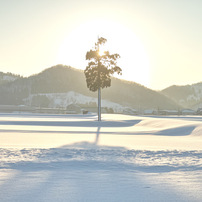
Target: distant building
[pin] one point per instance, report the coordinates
(94, 109)
(188, 112)
(15, 108)
(150, 112)
(130, 111)
(73, 109)
(168, 112)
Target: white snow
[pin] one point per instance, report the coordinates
(71, 97)
(9, 78)
(123, 158)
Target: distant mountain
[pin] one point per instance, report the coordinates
(61, 79)
(188, 96)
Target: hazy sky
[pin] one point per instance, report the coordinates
(160, 41)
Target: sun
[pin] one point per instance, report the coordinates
(121, 39)
(102, 50)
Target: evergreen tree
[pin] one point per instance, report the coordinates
(100, 69)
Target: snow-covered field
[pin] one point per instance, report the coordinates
(122, 158)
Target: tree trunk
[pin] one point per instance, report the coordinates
(99, 104)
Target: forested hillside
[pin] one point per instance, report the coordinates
(63, 79)
(189, 96)
(8, 77)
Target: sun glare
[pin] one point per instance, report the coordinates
(102, 50)
(120, 39)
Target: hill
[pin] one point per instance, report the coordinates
(189, 96)
(64, 79)
(8, 77)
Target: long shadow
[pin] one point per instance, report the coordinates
(126, 123)
(40, 115)
(177, 131)
(97, 136)
(66, 123)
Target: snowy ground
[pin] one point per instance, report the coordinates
(123, 158)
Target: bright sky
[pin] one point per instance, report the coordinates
(160, 41)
